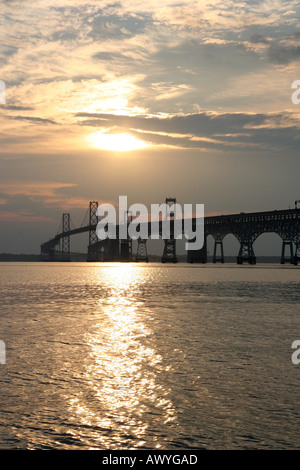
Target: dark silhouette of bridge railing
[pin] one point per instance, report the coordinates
(246, 227)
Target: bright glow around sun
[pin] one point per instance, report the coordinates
(123, 142)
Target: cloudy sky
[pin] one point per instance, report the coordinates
(147, 99)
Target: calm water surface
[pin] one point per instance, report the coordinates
(136, 356)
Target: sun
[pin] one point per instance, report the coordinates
(122, 142)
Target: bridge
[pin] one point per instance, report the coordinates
(246, 227)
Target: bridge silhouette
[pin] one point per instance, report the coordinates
(246, 227)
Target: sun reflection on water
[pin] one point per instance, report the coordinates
(125, 397)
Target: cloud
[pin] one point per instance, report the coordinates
(73, 54)
(116, 26)
(206, 130)
(18, 108)
(259, 39)
(283, 54)
(32, 188)
(36, 120)
(50, 194)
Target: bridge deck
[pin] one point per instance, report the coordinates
(210, 222)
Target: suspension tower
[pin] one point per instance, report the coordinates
(65, 241)
(94, 249)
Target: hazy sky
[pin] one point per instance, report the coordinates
(197, 95)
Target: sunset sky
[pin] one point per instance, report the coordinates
(147, 99)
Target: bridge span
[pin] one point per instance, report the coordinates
(246, 227)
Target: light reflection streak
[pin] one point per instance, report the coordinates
(125, 397)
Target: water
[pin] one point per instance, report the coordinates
(128, 356)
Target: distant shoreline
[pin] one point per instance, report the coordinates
(81, 257)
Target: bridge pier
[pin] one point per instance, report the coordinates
(198, 256)
(126, 245)
(94, 252)
(246, 252)
(141, 252)
(218, 243)
(169, 253)
(296, 257)
(287, 244)
(126, 250)
(104, 250)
